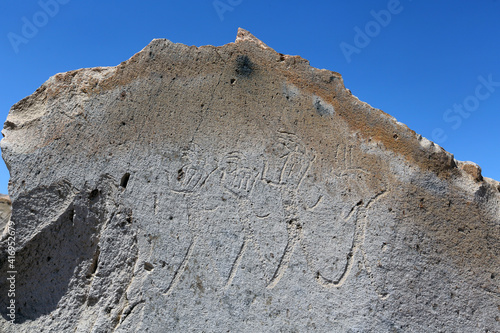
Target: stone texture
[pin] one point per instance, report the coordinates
(5, 209)
(234, 188)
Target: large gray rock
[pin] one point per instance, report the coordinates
(234, 188)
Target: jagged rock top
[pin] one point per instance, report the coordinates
(372, 124)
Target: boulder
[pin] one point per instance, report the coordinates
(237, 189)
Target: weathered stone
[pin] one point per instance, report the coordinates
(472, 169)
(5, 209)
(237, 189)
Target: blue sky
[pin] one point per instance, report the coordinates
(434, 65)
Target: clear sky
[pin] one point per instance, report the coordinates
(434, 65)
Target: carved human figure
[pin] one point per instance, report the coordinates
(193, 172)
(187, 177)
(341, 218)
(287, 168)
(238, 177)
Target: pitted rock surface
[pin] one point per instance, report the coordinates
(234, 188)
(5, 210)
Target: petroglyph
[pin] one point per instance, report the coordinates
(286, 168)
(296, 161)
(237, 175)
(181, 269)
(237, 261)
(194, 171)
(239, 178)
(289, 163)
(359, 215)
(315, 204)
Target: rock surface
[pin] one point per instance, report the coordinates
(234, 188)
(5, 209)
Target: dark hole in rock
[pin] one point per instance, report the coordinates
(93, 194)
(125, 179)
(243, 65)
(9, 125)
